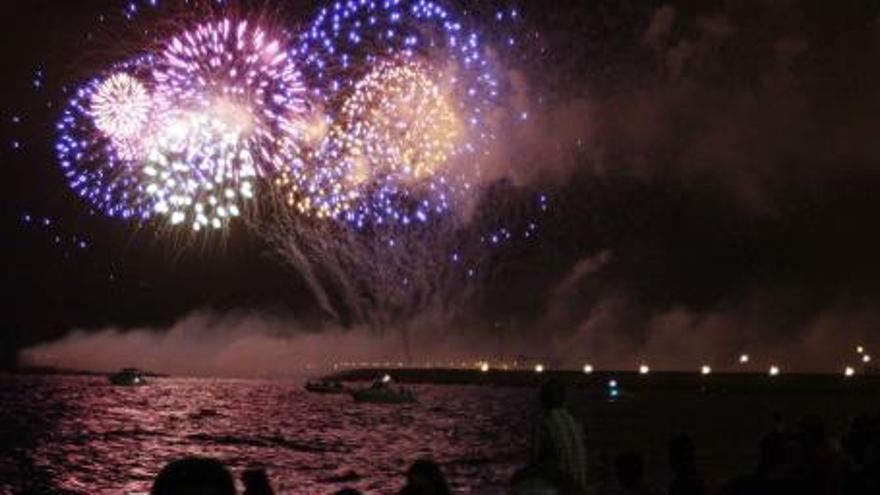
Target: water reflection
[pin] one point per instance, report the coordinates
(83, 435)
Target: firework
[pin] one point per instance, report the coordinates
(184, 134)
(234, 104)
(393, 137)
(398, 122)
(100, 133)
(121, 107)
(198, 172)
(374, 125)
(416, 99)
(372, 216)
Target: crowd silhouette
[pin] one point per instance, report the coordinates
(804, 458)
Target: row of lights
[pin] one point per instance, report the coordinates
(643, 369)
(706, 370)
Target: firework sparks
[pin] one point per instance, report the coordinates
(184, 134)
(121, 107)
(394, 134)
(413, 94)
(98, 143)
(400, 122)
(236, 99)
(198, 172)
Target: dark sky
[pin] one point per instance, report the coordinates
(714, 166)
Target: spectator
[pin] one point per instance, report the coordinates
(256, 482)
(558, 443)
(630, 470)
(684, 479)
(194, 476)
(425, 478)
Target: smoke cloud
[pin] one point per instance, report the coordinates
(741, 102)
(243, 344)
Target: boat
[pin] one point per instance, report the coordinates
(128, 377)
(325, 387)
(381, 392)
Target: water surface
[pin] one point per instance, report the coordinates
(84, 435)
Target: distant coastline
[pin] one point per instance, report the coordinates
(631, 381)
(49, 370)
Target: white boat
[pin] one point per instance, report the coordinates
(381, 392)
(128, 377)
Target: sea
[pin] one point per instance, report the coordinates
(83, 435)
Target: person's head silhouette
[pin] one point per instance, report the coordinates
(195, 476)
(552, 395)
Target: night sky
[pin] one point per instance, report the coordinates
(714, 170)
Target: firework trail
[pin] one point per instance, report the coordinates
(387, 216)
(356, 147)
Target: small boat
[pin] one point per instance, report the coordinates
(128, 377)
(381, 392)
(325, 387)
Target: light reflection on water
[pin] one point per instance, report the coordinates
(84, 435)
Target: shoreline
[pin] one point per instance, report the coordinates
(629, 381)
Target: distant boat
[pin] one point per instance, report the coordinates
(381, 392)
(128, 377)
(325, 387)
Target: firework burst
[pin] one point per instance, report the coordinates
(183, 135)
(100, 132)
(234, 104)
(414, 96)
(121, 107)
(397, 122)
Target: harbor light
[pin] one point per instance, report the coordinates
(484, 367)
(743, 358)
(613, 391)
(774, 370)
(588, 368)
(860, 349)
(539, 368)
(644, 369)
(706, 370)
(866, 358)
(849, 371)
(386, 379)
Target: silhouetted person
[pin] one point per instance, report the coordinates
(194, 476)
(777, 422)
(534, 480)
(256, 482)
(630, 470)
(684, 479)
(558, 443)
(776, 472)
(856, 443)
(425, 478)
(819, 463)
